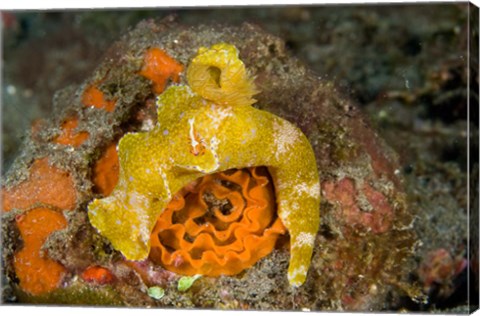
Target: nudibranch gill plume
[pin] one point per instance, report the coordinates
(205, 127)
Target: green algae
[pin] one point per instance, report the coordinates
(186, 282)
(156, 292)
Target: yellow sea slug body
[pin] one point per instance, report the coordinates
(207, 127)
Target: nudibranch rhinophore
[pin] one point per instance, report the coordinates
(205, 127)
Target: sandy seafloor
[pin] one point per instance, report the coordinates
(406, 66)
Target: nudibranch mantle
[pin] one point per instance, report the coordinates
(206, 127)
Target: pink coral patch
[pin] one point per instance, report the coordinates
(343, 193)
(440, 267)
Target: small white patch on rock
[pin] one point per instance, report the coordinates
(147, 125)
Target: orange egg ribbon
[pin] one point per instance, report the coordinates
(197, 235)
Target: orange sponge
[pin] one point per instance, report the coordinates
(46, 184)
(69, 136)
(106, 171)
(98, 275)
(94, 97)
(37, 273)
(159, 67)
(220, 226)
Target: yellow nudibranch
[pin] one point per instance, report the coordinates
(204, 128)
